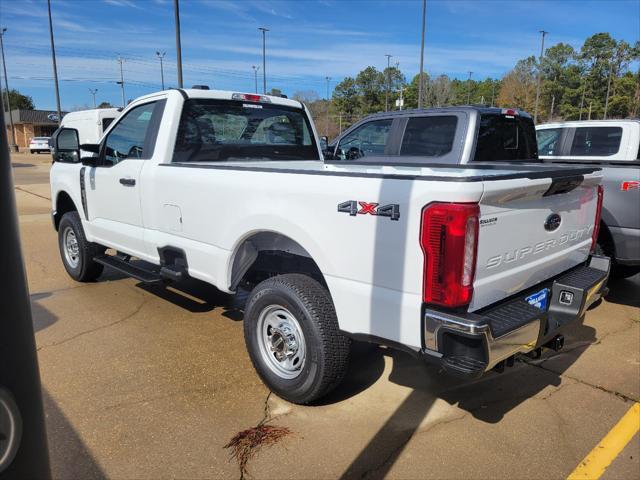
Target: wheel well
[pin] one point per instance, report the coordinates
(267, 254)
(64, 204)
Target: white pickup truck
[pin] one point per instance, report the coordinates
(463, 266)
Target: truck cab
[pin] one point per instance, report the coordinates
(614, 146)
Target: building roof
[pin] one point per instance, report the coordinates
(35, 117)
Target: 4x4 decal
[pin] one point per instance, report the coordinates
(353, 208)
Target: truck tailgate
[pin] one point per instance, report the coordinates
(531, 233)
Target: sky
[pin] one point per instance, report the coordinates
(307, 41)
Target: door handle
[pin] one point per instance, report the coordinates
(128, 182)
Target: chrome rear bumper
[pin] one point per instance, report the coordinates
(469, 344)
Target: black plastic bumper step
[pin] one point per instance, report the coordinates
(463, 366)
(145, 275)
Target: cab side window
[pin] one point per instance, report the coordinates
(549, 141)
(368, 140)
(127, 138)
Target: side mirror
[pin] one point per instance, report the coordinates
(66, 147)
(327, 152)
(90, 147)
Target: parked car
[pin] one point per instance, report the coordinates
(614, 146)
(91, 124)
(450, 135)
(39, 144)
(463, 266)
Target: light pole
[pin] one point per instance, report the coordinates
(326, 128)
(469, 89)
(176, 11)
(55, 67)
(386, 93)
(13, 147)
(255, 75)
(420, 87)
(535, 110)
(121, 82)
(161, 56)
(93, 92)
(264, 58)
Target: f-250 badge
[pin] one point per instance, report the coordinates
(353, 208)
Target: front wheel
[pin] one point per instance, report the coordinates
(76, 252)
(292, 336)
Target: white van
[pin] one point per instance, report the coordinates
(91, 124)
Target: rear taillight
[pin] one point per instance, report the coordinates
(596, 226)
(449, 241)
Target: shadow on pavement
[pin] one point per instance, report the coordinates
(488, 399)
(196, 296)
(68, 454)
(625, 291)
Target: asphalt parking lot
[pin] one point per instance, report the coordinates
(149, 383)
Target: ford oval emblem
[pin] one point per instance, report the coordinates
(552, 222)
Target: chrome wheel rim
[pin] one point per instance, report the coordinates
(71, 247)
(281, 342)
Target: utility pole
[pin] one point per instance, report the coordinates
(55, 67)
(176, 10)
(121, 82)
(93, 92)
(606, 101)
(589, 117)
(326, 129)
(13, 147)
(255, 75)
(535, 110)
(553, 104)
(584, 89)
(493, 91)
(386, 93)
(264, 58)
(420, 87)
(161, 56)
(469, 89)
(401, 98)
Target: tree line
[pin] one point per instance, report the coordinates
(593, 82)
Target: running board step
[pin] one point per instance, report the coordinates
(145, 275)
(461, 366)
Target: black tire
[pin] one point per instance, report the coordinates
(85, 269)
(326, 349)
(624, 271)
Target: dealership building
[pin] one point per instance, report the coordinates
(30, 123)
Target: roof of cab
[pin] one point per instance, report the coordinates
(221, 95)
(586, 123)
(482, 109)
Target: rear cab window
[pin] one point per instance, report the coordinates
(430, 136)
(596, 141)
(504, 138)
(229, 130)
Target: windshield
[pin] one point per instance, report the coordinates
(218, 130)
(506, 138)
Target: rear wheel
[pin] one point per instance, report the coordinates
(76, 252)
(292, 336)
(624, 271)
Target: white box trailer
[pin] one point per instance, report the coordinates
(91, 124)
